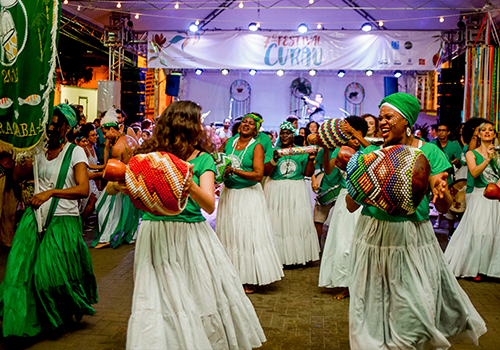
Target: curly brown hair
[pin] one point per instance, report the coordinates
(178, 131)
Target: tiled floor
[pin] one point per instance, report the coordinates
(295, 313)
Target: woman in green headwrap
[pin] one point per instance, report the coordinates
(49, 274)
(243, 224)
(287, 198)
(403, 295)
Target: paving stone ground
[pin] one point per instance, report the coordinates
(295, 313)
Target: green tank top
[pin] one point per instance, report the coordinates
(290, 167)
(192, 212)
(242, 160)
(480, 181)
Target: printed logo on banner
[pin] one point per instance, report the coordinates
(408, 45)
(421, 62)
(395, 45)
(304, 50)
(410, 62)
(383, 62)
(397, 62)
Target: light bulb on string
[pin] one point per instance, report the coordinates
(240, 5)
(258, 24)
(176, 6)
(280, 72)
(197, 22)
(119, 5)
(136, 16)
(319, 26)
(441, 19)
(311, 2)
(380, 24)
(65, 2)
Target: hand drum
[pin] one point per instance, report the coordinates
(394, 179)
(332, 133)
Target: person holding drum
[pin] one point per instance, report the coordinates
(403, 295)
(473, 249)
(243, 223)
(334, 269)
(187, 294)
(287, 199)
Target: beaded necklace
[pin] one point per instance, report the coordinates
(238, 160)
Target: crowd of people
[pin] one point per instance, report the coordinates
(191, 280)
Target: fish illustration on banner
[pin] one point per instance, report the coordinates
(26, 99)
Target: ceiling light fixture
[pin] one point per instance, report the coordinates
(302, 28)
(280, 72)
(240, 5)
(319, 26)
(225, 71)
(366, 27)
(197, 22)
(341, 73)
(312, 72)
(441, 19)
(136, 16)
(380, 24)
(198, 71)
(369, 73)
(253, 27)
(119, 5)
(193, 28)
(311, 2)
(252, 72)
(397, 74)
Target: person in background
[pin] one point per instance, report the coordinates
(373, 128)
(302, 132)
(453, 153)
(97, 123)
(316, 108)
(418, 133)
(312, 127)
(145, 135)
(224, 133)
(459, 137)
(122, 119)
(295, 121)
(433, 132)
(147, 124)
(138, 132)
(274, 138)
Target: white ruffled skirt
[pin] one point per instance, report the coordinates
(334, 270)
(187, 294)
(474, 248)
(403, 294)
(244, 229)
(295, 237)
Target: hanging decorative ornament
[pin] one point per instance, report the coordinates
(300, 87)
(354, 97)
(240, 98)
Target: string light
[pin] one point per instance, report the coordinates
(197, 22)
(441, 19)
(136, 16)
(119, 5)
(380, 24)
(78, 8)
(65, 2)
(176, 6)
(312, 72)
(240, 5)
(369, 73)
(225, 71)
(311, 2)
(280, 72)
(258, 24)
(319, 26)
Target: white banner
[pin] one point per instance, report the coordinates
(349, 50)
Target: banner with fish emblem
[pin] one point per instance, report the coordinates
(28, 32)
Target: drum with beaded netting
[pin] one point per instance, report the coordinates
(332, 133)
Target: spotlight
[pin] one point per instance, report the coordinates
(253, 27)
(176, 6)
(119, 5)
(240, 5)
(136, 16)
(65, 2)
(369, 73)
(198, 71)
(225, 71)
(312, 72)
(441, 19)
(319, 26)
(341, 73)
(193, 28)
(302, 28)
(397, 74)
(366, 27)
(380, 24)
(280, 72)
(252, 72)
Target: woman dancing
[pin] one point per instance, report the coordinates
(49, 274)
(474, 249)
(187, 294)
(287, 199)
(243, 224)
(403, 295)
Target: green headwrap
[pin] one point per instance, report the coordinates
(405, 104)
(258, 120)
(288, 126)
(68, 112)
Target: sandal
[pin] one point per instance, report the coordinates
(249, 289)
(437, 224)
(102, 245)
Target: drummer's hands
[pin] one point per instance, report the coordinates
(228, 171)
(276, 155)
(122, 187)
(439, 186)
(314, 184)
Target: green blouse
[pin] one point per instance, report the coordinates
(480, 181)
(439, 163)
(242, 160)
(192, 213)
(290, 167)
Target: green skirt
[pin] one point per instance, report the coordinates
(49, 279)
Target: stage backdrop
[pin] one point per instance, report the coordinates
(28, 30)
(348, 50)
